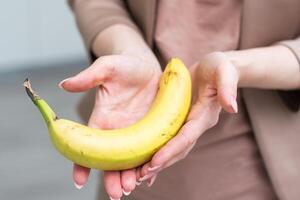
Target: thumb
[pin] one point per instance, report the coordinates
(227, 80)
(95, 75)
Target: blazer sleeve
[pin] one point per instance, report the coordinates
(292, 98)
(93, 16)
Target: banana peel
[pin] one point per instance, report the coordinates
(128, 147)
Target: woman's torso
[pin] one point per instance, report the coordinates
(225, 163)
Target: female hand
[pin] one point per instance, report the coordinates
(126, 86)
(215, 81)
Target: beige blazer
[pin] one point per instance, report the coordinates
(275, 120)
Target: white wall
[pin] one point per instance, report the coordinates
(37, 33)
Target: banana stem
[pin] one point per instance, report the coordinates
(46, 111)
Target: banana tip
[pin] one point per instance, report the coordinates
(26, 83)
(33, 96)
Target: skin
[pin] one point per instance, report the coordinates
(126, 75)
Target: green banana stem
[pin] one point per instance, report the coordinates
(46, 111)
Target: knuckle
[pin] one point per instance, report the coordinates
(187, 139)
(155, 161)
(162, 156)
(109, 70)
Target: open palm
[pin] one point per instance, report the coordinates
(126, 87)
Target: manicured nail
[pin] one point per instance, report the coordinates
(234, 105)
(78, 186)
(126, 193)
(113, 198)
(151, 169)
(145, 177)
(138, 183)
(150, 183)
(62, 82)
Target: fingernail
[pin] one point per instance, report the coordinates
(234, 105)
(113, 198)
(126, 193)
(151, 169)
(138, 182)
(78, 186)
(150, 183)
(62, 82)
(145, 177)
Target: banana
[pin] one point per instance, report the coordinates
(127, 147)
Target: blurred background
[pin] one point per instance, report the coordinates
(38, 40)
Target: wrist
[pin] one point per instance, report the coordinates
(130, 43)
(240, 64)
(273, 67)
(118, 39)
(143, 53)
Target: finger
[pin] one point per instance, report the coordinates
(185, 138)
(128, 180)
(160, 159)
(150, 173)
(227, 80)
(179, 157)
(145, 173)
(80, 175)
(138, 175)
(151, 180)
(202, 117)
(112, 184)
(101, 70)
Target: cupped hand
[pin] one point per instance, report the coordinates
(126, 86)
(215, 81)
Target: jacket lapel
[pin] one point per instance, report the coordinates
(276, 129)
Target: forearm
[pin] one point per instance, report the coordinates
(121, 39)
(274, 67)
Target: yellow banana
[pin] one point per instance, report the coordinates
(128, 147)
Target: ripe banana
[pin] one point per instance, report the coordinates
(128, 147)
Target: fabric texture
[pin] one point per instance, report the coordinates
(204, 26)
(93, 16)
